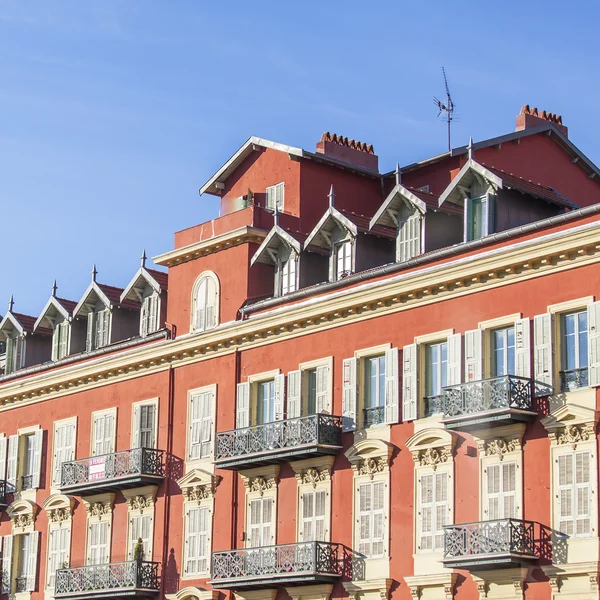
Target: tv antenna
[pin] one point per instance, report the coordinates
(447, 107)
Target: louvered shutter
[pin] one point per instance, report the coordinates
(473, 366)
(195, 450)
(441, 508)
(349, 395)
(509, 491)
(90, 335)
(56, 343)
(64, 448)
(454, 359)
(38, 439)
(271, 197)
(143, 433)
(409, 237)
(65, 332)
(279, 397)
(593, 319)
(409, 382)
(100, 329)
(144, 316)
(34, 543)
(20, 353)
(542, 359)
(323, 395)
(426, 511)
(211, 303)
(365, 501)
(3, 453)
(493, 475)
(566, 500)
(206, 425)
(522, 348)
(200, 316)
(191, 541)
(391, 385)
(242, 406)
(294, 397)
(7, 562)
(13, 456)
(153, 324)
(10, 365)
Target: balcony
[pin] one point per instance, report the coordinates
(490, 545)
(273, 566)
(279, 441)
(573, 379)
(488, 403)
(114, 580)
(112, 472)
(3, 491)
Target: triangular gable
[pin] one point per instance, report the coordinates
(140, 279)
(471, 172)
(53, 306)
(393, 204)
(319, 237)
(271, 243)
(92, 290)
(10, 322)
(570, 414)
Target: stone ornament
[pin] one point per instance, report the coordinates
(98, 509)
(140, 503)
(260, 484)
(59, 515)
(197, 493)
(499, 447)
(432, 457)
(313, 476)
(22, 520)
(371, 466)
(574, 434)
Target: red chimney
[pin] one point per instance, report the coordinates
(350, 151)
(530, 117)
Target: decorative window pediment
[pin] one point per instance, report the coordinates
(59, 507)
(570, 415)
(22, 515)
(193, 593)
(100, 506)
(141, 499)
(370, 457)
(198, 485)
(431, 447)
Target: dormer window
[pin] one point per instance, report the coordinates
(60, 340)
(149, 314)
(98, 329)
(205, 312)
(479, 216)
(286, 269)
(275, 195)
(343, 259)
(15, 354)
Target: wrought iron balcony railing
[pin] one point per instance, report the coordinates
(374, 416)
(573, 379)
(108, 581)
(21, 584)
(26, 482)
(312, 435)
(493, 401)
(118, 470)
(3, 492)
(270, 566)
(433, 405)
(489, 544)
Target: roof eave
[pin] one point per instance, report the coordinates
(142, 274)
(57, 305)
(92, 288)
(283, 235)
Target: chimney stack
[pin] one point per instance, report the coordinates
(350, 151)
(530, 117)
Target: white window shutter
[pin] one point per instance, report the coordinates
(153, 324)
(90, 336)
(271, 197)
(473, 366)
(7, 544)
(454, 359)
(10, 345)
(542, 358)
(242, 406)
(349, 395)
(13, 456)
(38, 439)
(594, 343)
(56, 342)
(523, 348)
(279, 385)
(409, 237)
(3, 453)
(391, 385)
(64, 338)
(195, 439)
(137, 424)
(410, 383)
(206, 425)
(323, 402)
(144, 317)
(294, 394)
(20, 353)
(34, 543)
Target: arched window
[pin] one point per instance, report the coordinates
(205, 302)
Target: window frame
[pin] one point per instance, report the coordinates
(194, 302)
(347, 242)
(207, 389)
(487, 200)
(360, 356)
(275, 189)
(103, 413)
(61, 423)
(150, 402)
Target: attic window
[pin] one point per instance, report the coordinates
(150, 314)
(275, 196)
(479, 216)
(424, 188)
(343, 259)
(15, 354)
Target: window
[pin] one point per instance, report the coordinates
(197, 540)
(433, 510)
(24, 461)
(144, 425)
(265, 405)
(343, 259)
(140, 528)
(313, 516)
(260, 400)
(436, 369)
(479, 216)
(205, 313)
(58, 551)
(15, 354)
(275, 196)
(98, 329)
(371, 518)
(103, 433)
(574, 494)
(501, 495)
(309, 389)
(98, 542)
(574, 367)
(260, 522)
(408, 244)
(63, 447)
(374, 387)
(60, 340)
(149, 316)
(201, 423)
(503, 351)
(287, 271)
(26, 561)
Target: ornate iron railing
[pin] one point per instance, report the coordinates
(433, 405)
(374, 416)
(27, 482)
(3, 491)
(484, 395)
(139, 461)
(311, 558)
(573, 379)
(319, 429)
(133, 574)
(21, 584)
(485, 538)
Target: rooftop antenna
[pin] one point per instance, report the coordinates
(331, 196)
(143, 259)
(447, 107)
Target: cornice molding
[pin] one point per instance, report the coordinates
(553, 253)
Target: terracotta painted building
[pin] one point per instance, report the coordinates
(351, 384)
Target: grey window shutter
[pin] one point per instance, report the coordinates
(7, 563)
(454, 359)
(34, 544)
(323, 399)
(3, 452)
(523, 348)
(279, 385)
(542, 357)
(391, 385)
(13, 457)
(38, 438)
(594, 343)
(349, 395)
(91, 335)
(294, 394)
(473, 366)
(242, 414)
(410, 383)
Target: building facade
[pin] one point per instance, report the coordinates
(350, 384)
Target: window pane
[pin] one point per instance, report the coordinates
(312, 392)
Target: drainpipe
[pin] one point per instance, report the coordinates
(236, 477)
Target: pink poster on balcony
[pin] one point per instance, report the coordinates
(97, 468)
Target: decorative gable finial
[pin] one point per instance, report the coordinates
(11, 303)
(470, 148)
(331, 197)
(54, 288)
(398, 174)
(276, 215)
(94, 273)
(143, 259)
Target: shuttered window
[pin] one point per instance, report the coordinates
(371, 518)
(197, 548)
(275, 196)
(432, 510)
(201, 425)
(503, 351)
(343, 259)
(102, 328)
(27, 560)
(140, 528)
(98, 543)
(574, 350)
(64, 448)
(409, 236)
(104, 434)
(144, 434)
(314, 508)
(15, 354)
(501, 485)
(60, 340)
(287, 273)
(205, 304)
(265, 402)
(574, 494)
(7, 563)
(149, 315)
(58, 551)
(436, 368)
(260, 522)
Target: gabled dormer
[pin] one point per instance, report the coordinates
(24, 347)
(57, 317)
(148, 289)
(102, 319)
(493, 200)
(344, 237)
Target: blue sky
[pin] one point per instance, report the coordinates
(113, 114)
